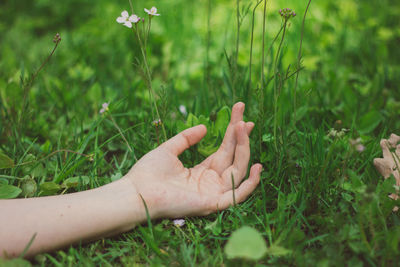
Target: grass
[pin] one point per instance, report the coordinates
(320, 200)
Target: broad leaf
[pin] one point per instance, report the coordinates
(9, 191)
(49, 188)
(246, 243)
(223, 117)
(75, 181)
(369, 122)
(278, 251)
(5, 161)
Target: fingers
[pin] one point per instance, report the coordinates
(394, 139)
(237, 112)
(249, 127)
(185, 139)
(242, 156)
(224, 156)
(385, 145)
(242, 153)
(383, 167)
(243, 191)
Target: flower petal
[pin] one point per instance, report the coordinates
(134, 18)
(125, 14)
(121, 19)
(128, 24)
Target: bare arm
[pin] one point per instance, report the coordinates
(169, 189)
(66, 219)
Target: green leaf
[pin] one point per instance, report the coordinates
(5, 161)
(180, 126)
(116, 176)
(215, 227)
(278, 251)
(267, 138)
(203, 120)
(246, 243)
(369, 122)
(32, 167)
(75, 181)
(191, 121)
(301, 112)
(206, 150)
(49, 188)
(223, 118)
(9, 191)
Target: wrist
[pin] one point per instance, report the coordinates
(129, 210)
(147, 193)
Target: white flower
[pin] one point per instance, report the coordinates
(182, 109)
(127, 20)
(179, 222)
(104, 108)
(152, 11)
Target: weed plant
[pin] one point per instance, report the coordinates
(313, 82)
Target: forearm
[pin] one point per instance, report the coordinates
(62, 220)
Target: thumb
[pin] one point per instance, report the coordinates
(185, 139)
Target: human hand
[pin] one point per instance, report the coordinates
(390, 162)
(172, 190)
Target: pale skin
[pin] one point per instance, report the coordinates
(390, 163)
(169, 189)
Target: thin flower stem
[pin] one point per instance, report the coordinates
(147, 33)
(299, 62)
(251, 51)
(277, 77)
(120, 132)
(207, 80)
(130, 4)
(263, 44)
(148, 29)
(260, 87)
(158, 139)
(148, 80)
(235, 70)
(28, 85)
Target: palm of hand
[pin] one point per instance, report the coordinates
(171, 190)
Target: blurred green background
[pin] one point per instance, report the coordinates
(350, 56)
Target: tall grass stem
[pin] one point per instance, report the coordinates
(299, 55)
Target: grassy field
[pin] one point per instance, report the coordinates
(312, 86)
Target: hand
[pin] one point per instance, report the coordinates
(171, 190)
(390, 162)
(168, 188)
